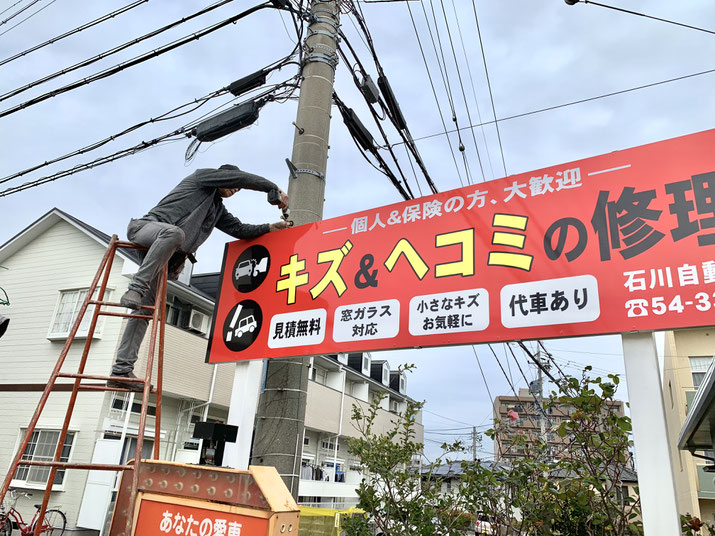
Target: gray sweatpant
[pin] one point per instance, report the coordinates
(163, 240)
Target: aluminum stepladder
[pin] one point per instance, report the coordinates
(157, 331)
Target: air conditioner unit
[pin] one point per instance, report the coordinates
(199, 322)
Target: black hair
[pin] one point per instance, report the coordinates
(229, 166)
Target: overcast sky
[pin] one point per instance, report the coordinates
(539, 53)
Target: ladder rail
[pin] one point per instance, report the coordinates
(158, 318)
(46, 393)
(80, 370)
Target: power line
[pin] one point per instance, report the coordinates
(384, 168)
(479, 364)
(134, 61)
(112, 51)
(434, 92)
(461, 84)
(447, 418)
(445, 81)
(400, 123)
(99, 20)
(474, 92)
(175, 135)
(28, 17)
(489, 85)
(171, 114)
(19, 11)
(572, 103)
(12, 6)
(96, 145)
(630, 12)
(372, 111)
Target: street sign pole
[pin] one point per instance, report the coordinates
(656, 481)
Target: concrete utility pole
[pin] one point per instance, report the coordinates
(281, 409)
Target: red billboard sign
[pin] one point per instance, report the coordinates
(614, 243)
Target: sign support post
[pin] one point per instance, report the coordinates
(242, 411)
(656, 482)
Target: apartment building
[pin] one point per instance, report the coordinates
(528, 419)
(49, 267)
(687, 356)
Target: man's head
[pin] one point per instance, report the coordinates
(228, 192)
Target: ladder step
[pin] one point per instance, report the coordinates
(102, 386)
(126, 315)
(128, 245)
(69, 465)
(97, 377)
(117, 304)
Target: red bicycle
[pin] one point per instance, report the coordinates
(54, 523)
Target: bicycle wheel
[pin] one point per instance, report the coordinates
(54, 524)
(5, 527)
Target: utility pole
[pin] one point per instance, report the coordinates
(542, 417)
(281, 410)
(474, 443)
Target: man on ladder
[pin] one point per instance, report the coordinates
(172, 231)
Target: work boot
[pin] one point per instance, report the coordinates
(131, 300)
(132, 386)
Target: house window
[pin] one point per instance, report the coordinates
(328, 444)
(178, 312)
(306, 441)
(66, 311)
(119, 402)
(320, 375)
(698, 368)
(41, 447)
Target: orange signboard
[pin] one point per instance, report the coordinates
(614, 243)
(159, 518)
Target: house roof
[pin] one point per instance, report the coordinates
(454, 470)
(55, 215)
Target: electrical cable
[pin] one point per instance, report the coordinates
(563, 386)
(175, 135)
(446, 418)
(573, 103)
(628, 11)
(445, 81)
(434, 92)
(551, 358)
(112, 51)
(537, 401)
(474, 94)
(96, 145)
(402, 130)
(511, 384)
(489, 85)
(32, 3)
(385, 168)
(481, 370)
(28, 17)
(461, 85)
(94, 22)
(12, 6)
(197, 103)
(135, 61)
(377, 122)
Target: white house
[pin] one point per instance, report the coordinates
(49, 267)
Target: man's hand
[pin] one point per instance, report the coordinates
(284, 199)
(279, 225)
